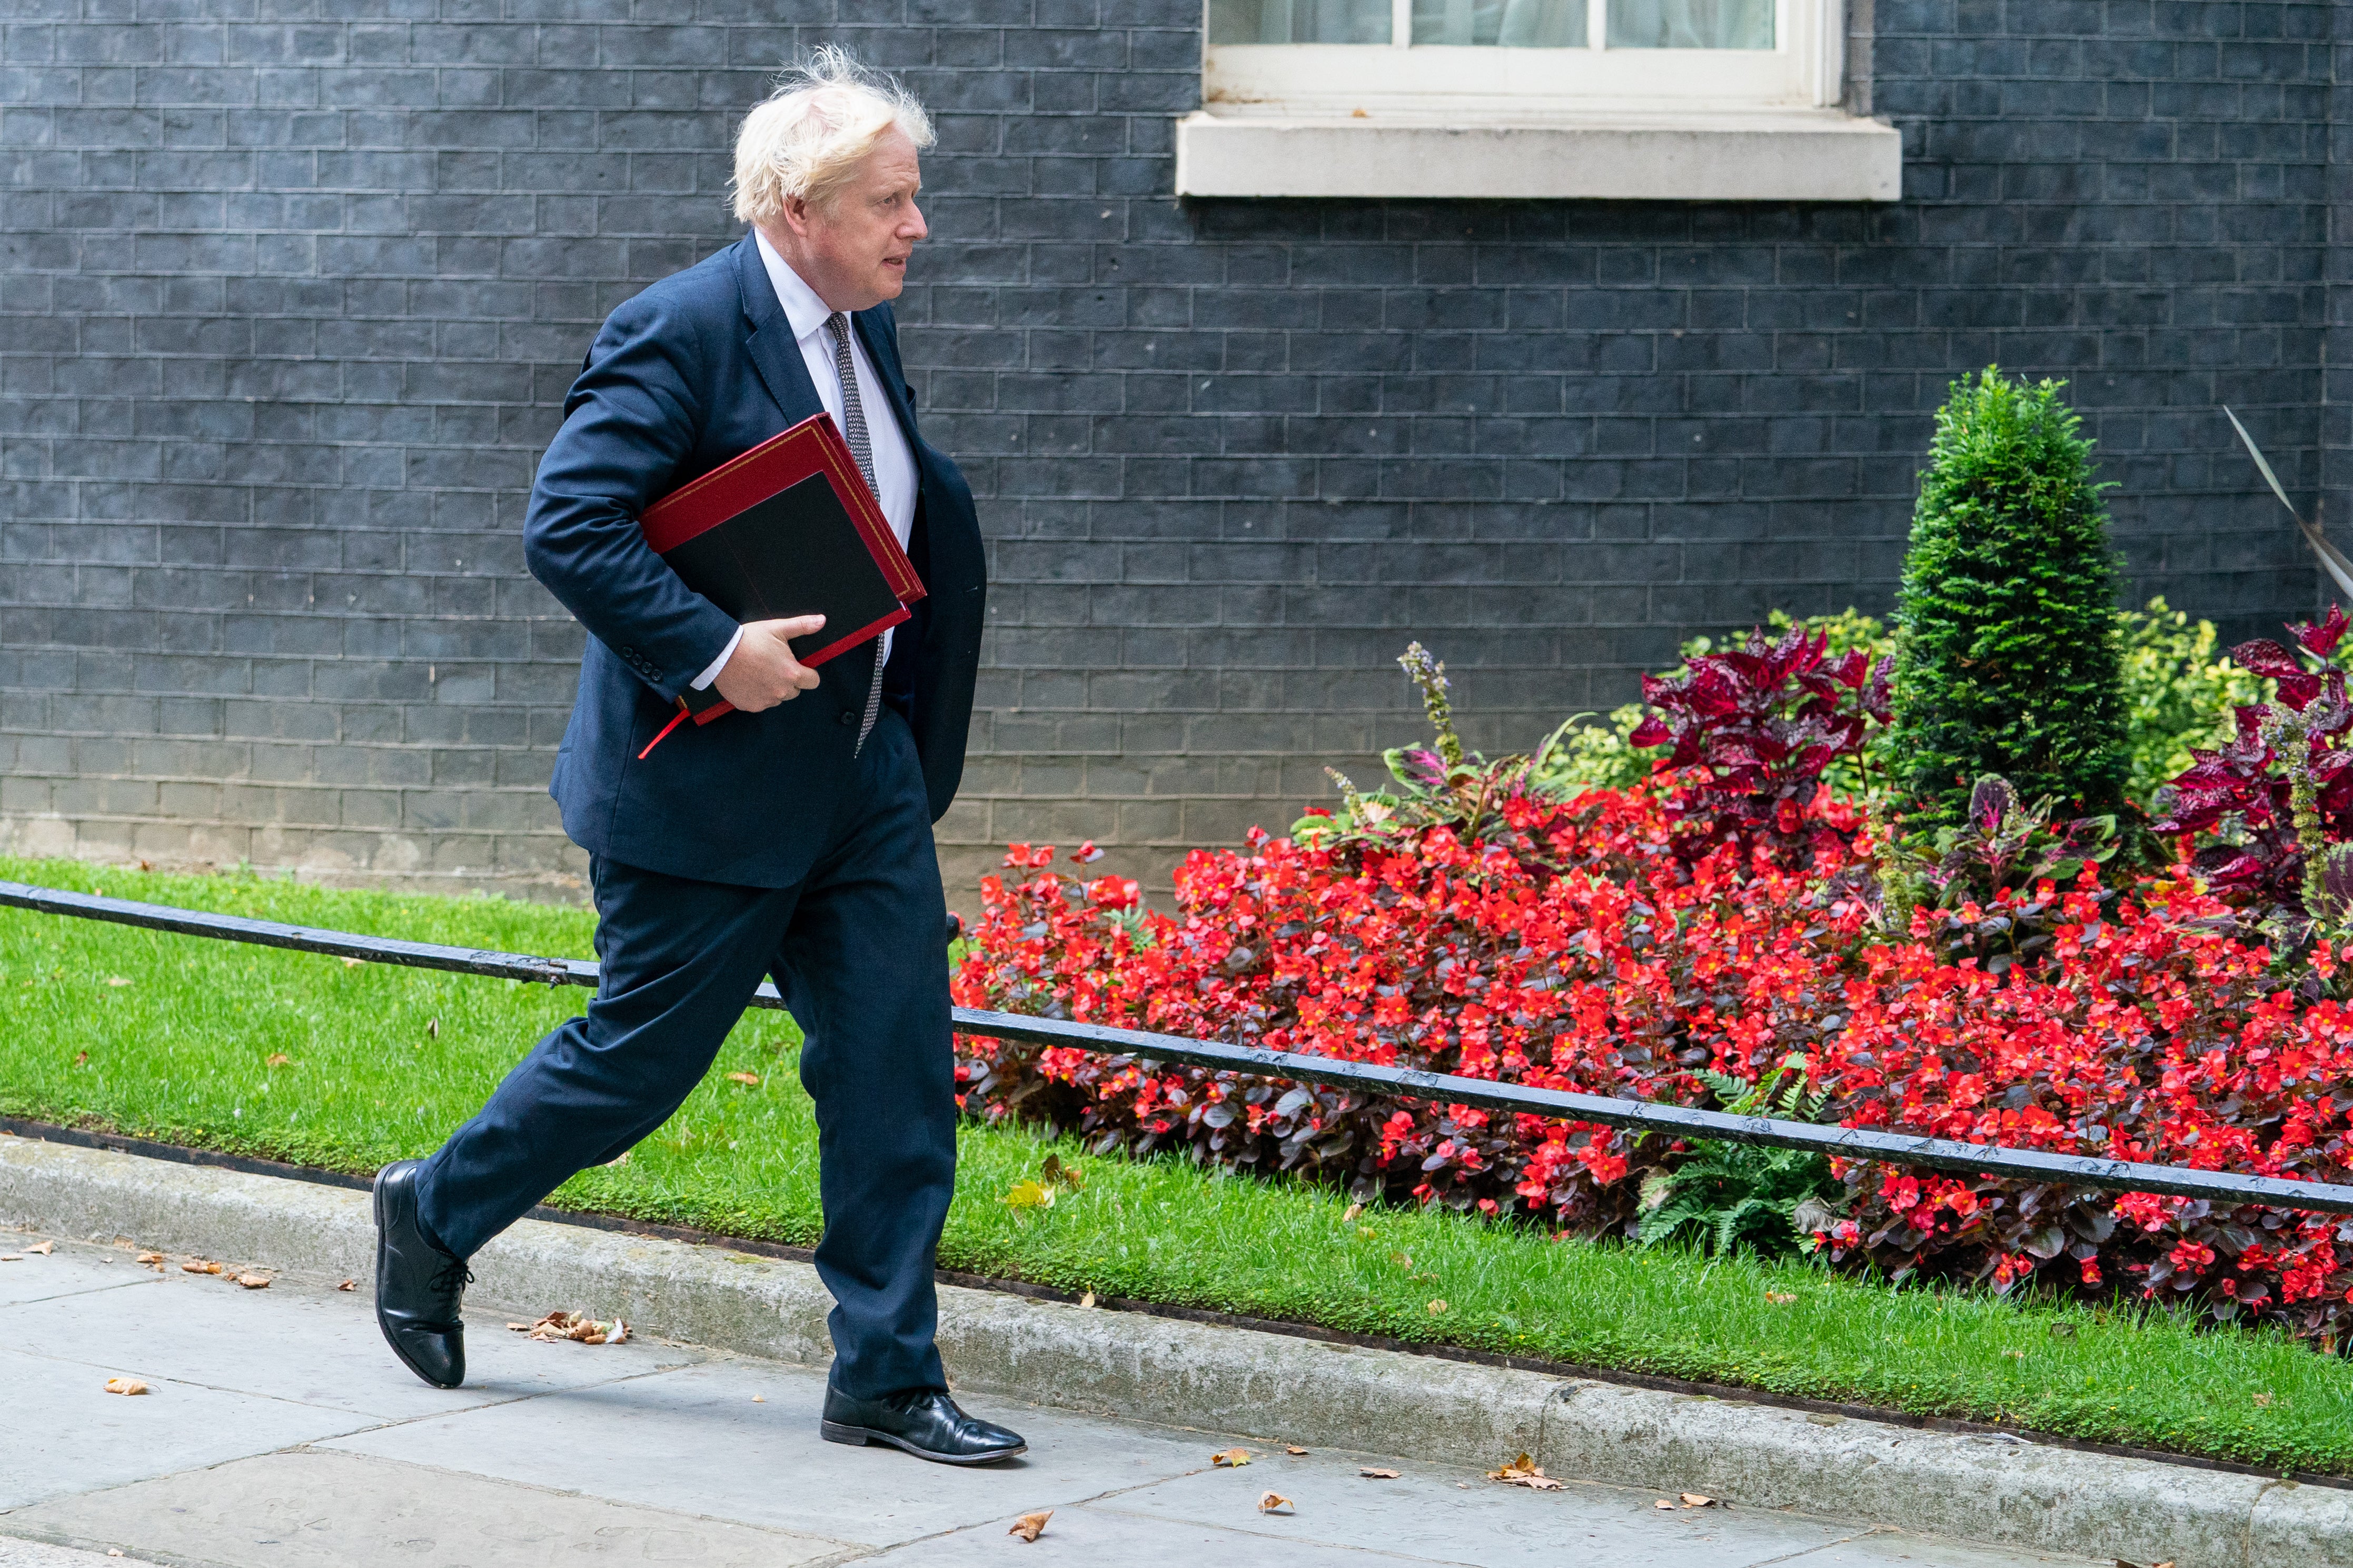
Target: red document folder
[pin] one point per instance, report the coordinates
(788, 529)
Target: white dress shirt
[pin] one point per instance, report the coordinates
(895, 461)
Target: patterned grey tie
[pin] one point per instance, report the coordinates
(853, 430)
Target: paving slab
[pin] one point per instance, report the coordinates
(17, 1554)
(1883, 1548)
(296, 1341)
(36, 1277)
(280, 1432)
(312, 1509)
(1427, 1512)
(1099, 1538)
(64, 1433)
(1088, 1364)
(739, 1437)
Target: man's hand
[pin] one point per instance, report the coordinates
(762, 671)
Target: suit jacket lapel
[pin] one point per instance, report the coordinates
(770, 341)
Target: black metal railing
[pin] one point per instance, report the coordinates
(1681, 1121)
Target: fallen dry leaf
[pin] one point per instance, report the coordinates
(125, 1385)
(1293, 1449)
(433, 1028)
(278, 1059)
(46, 1248)
(1273, 1502)
(80, 1057)
(575, 1326)
(1372, 1474)
(1030, 1526)
(519, 1328)
(198, 1266)
(759, 1399)
(1524, 1471)
(1664, 1504)
(117, 980)
(1781, 1298)
(1087, 1299)
(12, 1258)
(1437, 1308)
(2262, 1398)
(1231, 1458)
(151, 1258)
(1694, 1500)
(354, 962)
(1029, 1196)
(1348, 1215)
(2015, 1355)
(254, 1281)
(751, 1079)
(348, 1285)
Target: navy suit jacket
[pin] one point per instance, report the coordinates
(697, 369)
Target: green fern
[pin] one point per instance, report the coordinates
(1738, 1194)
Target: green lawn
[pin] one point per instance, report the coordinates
(382, 1062)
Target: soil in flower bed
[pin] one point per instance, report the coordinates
(301, 1057)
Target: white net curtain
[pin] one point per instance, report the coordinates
(1691, 24)
(1299, 21)
(1513, 24)
(1508, 24)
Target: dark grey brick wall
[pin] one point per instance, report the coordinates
(291, 293)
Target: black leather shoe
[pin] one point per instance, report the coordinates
(924, 1421)
(417, 1285)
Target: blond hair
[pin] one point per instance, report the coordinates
(807, 139)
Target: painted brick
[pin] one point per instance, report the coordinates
(291, 301)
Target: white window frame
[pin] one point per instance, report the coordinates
(1406, 120)
(1803, 68)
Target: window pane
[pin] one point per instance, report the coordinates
(1299, 21)
(1515, 23)
(1691, 24)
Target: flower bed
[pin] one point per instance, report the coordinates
(1566, 944)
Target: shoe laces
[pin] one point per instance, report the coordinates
(451, 1276)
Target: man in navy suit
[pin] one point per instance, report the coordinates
(790, 839)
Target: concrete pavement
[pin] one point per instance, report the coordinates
(280, 1431)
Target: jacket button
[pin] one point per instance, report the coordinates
(848, 717)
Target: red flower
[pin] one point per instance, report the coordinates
(1567, 944)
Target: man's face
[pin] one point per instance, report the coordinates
(854, 251)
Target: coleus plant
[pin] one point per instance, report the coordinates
(1477, 799)
(1469, 924)
(1758, 727)
(2268, 803)
(1997, 861)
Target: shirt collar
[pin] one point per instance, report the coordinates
(803, 309)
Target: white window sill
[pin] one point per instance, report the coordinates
(1765, 155)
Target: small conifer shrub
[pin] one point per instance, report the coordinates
(2008, 657)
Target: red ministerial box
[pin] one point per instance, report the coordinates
(788, 528)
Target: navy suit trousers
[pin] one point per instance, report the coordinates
(858, 948)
